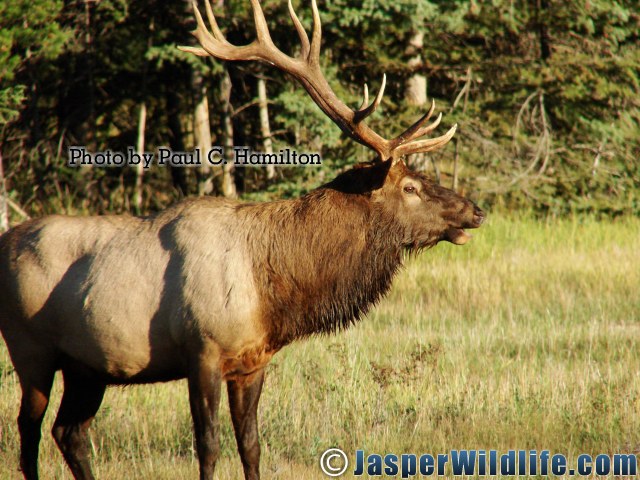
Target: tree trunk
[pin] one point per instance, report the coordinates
(228, 180)
(456, 159)
(436, 171)
(202, 132)
(416, 86)
(415, 92)
(176, 141)
(91, 125)
(4, 204)
(543, 30)
(137, 195)
(142, 126)
(456, 162)
(265, 128)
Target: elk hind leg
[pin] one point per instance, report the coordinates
(80, 402)
(244, 395)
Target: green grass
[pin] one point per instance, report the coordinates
(526, 338)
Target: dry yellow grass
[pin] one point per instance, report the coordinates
(526, 338)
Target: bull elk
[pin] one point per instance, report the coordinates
(210, 289)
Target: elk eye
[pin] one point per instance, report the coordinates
(409, 189)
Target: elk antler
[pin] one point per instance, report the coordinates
(306, 69)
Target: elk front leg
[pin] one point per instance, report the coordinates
(244, 396)
(35, 398)
(205, 381)
(35, 366)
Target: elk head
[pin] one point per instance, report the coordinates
(427, 212)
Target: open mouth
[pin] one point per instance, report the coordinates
(457, 236)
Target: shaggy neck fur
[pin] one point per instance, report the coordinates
(323, 261)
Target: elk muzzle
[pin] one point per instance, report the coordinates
(458, 235)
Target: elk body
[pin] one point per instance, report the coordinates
(210, 289)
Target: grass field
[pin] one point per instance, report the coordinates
(526, 338)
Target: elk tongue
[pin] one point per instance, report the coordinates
(457, 236)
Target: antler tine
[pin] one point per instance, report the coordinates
(361, 114)
(411, 132)
(365, 100)
(422, 146)
(304, 39)
(217, 33)
(424, 130)
(211, 44)
(262, 29)
(201, 33)
(316, 36)
(216, 45)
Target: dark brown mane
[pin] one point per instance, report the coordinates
(312, 286)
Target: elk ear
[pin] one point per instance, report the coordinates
(395, 168)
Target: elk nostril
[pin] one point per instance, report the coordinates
(478, 216)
